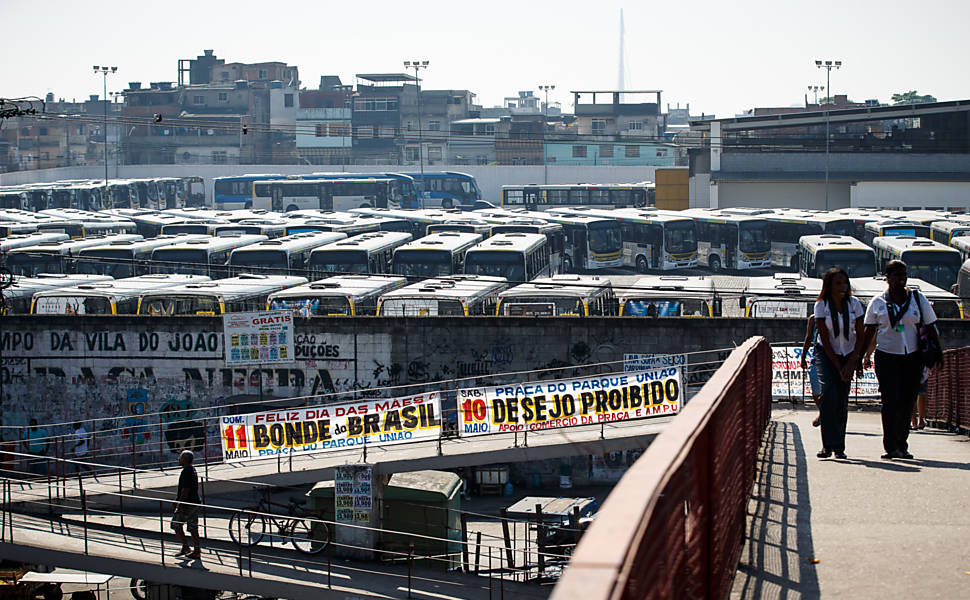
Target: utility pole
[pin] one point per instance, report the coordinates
(419, 64)
(104, 73)
(828, 65)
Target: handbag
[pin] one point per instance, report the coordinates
(929, 352)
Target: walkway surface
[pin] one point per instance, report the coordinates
(857, 528)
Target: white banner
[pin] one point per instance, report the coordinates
(319, 429)
(258, 338)
(790, 381)
(555, 404)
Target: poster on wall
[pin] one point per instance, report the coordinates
(790, 382)
(258, 338)
(312, 430)
(353, 493)
(557, 404)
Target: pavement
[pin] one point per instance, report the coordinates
(857, 528)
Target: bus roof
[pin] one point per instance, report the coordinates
(242, 286)
(374, 240)
(343, 285)
(128, 287)
(31, 239)
(574, 286)
(291, 243)
(784, 284)
(143, 244)
(828, 241)
(450, 287)
(216, 244)
(446, 240)
(72, 246)
(909, 243)
(719, 216)
(509, 242)
(28, 286)
(950, 226)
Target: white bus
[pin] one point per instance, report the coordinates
(245, 293)
(652, 239)
(516, 257)
(30, 239)
(819, 253)
(962, 245)
(962, 288)
(787, 226)
(726, 241)
(148, 223)
(17, 297)
(343, 295)
(125, 258)
(328, 194)
(893, 228)
(925, 259)
(367, 253)
(434, 255)
(781, 296)
(604, 195)
(419, 220)
(555, 237)
(56, 257)
(206, 256)
(670, 296)
(562, 295)
(288, 255)
(117, 297)
(945, 232)
(946, 304)
(454, 295)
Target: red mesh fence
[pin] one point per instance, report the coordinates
(948, 391)
(673, 526)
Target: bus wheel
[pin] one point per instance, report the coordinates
(641, 264)
(292, 207)
(447, 203)
(714, 262)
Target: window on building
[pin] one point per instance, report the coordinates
(25, 131)
(635, 125)
(321, 130)
(80, 129)
(339, 130)
(579, 151)
(387, 131)
(434, 125)
(223, 96)
(606, 151)
(632, 151)
(220, 157)
(261, 74)
(411, 153)
(599, 126)
(43, 131)
(375, 104)
(198, 99)
(489, 129)
(434, 152)
(288, 100)
(365, 132)
(224, 75)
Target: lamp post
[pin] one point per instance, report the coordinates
(545, 106)
(416, 65)
(545, 113)
(104, 73)
(816, 89)
(828, 65)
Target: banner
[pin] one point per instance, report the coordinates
(258, 338)
(319, 429)
(555, 404)
(790, 381)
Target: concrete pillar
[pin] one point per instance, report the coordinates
(358, 495)
(715, 147)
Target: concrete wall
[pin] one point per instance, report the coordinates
(774, 194)
(906, 194)
(150, 374)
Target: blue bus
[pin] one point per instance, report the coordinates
(236, 191)
(447, 189)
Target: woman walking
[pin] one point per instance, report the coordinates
(892, 319)
(838, 318)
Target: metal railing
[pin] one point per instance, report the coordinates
(948, 391)
(673, 526)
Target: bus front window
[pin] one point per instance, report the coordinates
(314, 306)
(422, 263)
(940, 269)
(680, 236)
(754, 237)
(857, 263)
(509, 265)
(605, 237)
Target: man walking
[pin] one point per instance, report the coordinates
(186, 509)
(81, 449)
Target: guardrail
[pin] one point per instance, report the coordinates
(948, 398)
(673, 526)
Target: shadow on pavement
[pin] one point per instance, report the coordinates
(777, 557)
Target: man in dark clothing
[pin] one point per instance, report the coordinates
(186, 509)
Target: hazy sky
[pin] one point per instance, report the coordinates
(721, 57)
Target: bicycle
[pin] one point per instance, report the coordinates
(248, 526)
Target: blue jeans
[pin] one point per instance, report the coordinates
(834, 403)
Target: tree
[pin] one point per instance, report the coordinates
(912, 97)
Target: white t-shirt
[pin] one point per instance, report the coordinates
(845, 343)
(81, 441)
(898, 342)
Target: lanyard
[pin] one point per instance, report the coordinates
(896, 315)
(835, 317)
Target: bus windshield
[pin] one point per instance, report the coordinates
(846, 227)
(422, 263)
(546, 306)
(605, 237)
(649, 307)
(188, 262)
(267, 259)
(857, 263)
(118, 265)
(497, 264)
(313, 306)
(340, 261)
(29, 264)
(180, 305)
(754, 237)
(680, 236)
(938, 268)
(421, 307)
(73, 305)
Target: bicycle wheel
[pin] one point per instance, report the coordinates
(309, 537)
(246, 529)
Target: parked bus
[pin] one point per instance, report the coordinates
(670, 296)
(55, 257)
(447, 189)
(726, 241)
(925, 259)
(894, 228)
(419, 220)
(244, 293)
(947, 304)
(116, 297)
(464, 226)
(17, 297)
(454, 295)
(406, 187)
(344, 295)
(30, 239)
(328, 194)
(12, 198)
(149, 223)
(367, 253)
(819, 253)
(236, 191)
(543, 197)
(125, 258)
(288, 255)
(434, 255)
(349, 227)
(657, 240)
(962, 245)
(787, 226)
(206, 256)
(962, 288)
(515, 257)
(945, 232)
(781, 296)
(80, 223)
(555, 237)
(562, 295)
(218, 216)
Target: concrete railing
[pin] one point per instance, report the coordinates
(673, 526)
